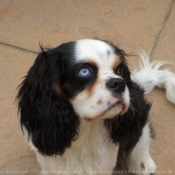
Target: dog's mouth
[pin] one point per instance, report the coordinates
(120, 105)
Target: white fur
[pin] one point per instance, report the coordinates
(88, 48)
(141, 162)
(150, 76)
(93, 153)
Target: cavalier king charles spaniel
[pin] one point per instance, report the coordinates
(83, 112)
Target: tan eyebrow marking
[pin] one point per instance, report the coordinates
(92, 62)
(117, 61)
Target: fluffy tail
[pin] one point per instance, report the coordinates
(150, 76)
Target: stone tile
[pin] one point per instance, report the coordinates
(163, 112)
(133, 25)
(24, 165)
(164, 47)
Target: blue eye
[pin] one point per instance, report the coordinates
(84, 72)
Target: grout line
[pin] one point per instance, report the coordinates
(164, 22)
(19, 48)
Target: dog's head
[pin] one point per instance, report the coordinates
(82, 80)
(96, 82)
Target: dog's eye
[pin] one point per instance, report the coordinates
(84, 72)
(119, 71)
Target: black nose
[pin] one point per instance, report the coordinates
(116, 85)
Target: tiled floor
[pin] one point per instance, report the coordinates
(131, 24)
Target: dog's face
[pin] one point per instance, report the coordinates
(96, 84)
(82, 80)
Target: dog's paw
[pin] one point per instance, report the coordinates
(142, 166)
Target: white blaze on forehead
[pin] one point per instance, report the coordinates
(102, 53)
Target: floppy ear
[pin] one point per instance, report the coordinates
(45, 112)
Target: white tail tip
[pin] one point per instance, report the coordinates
(150, 76)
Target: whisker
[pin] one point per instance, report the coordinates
(132, 108)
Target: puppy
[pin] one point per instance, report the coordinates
(83, 112)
